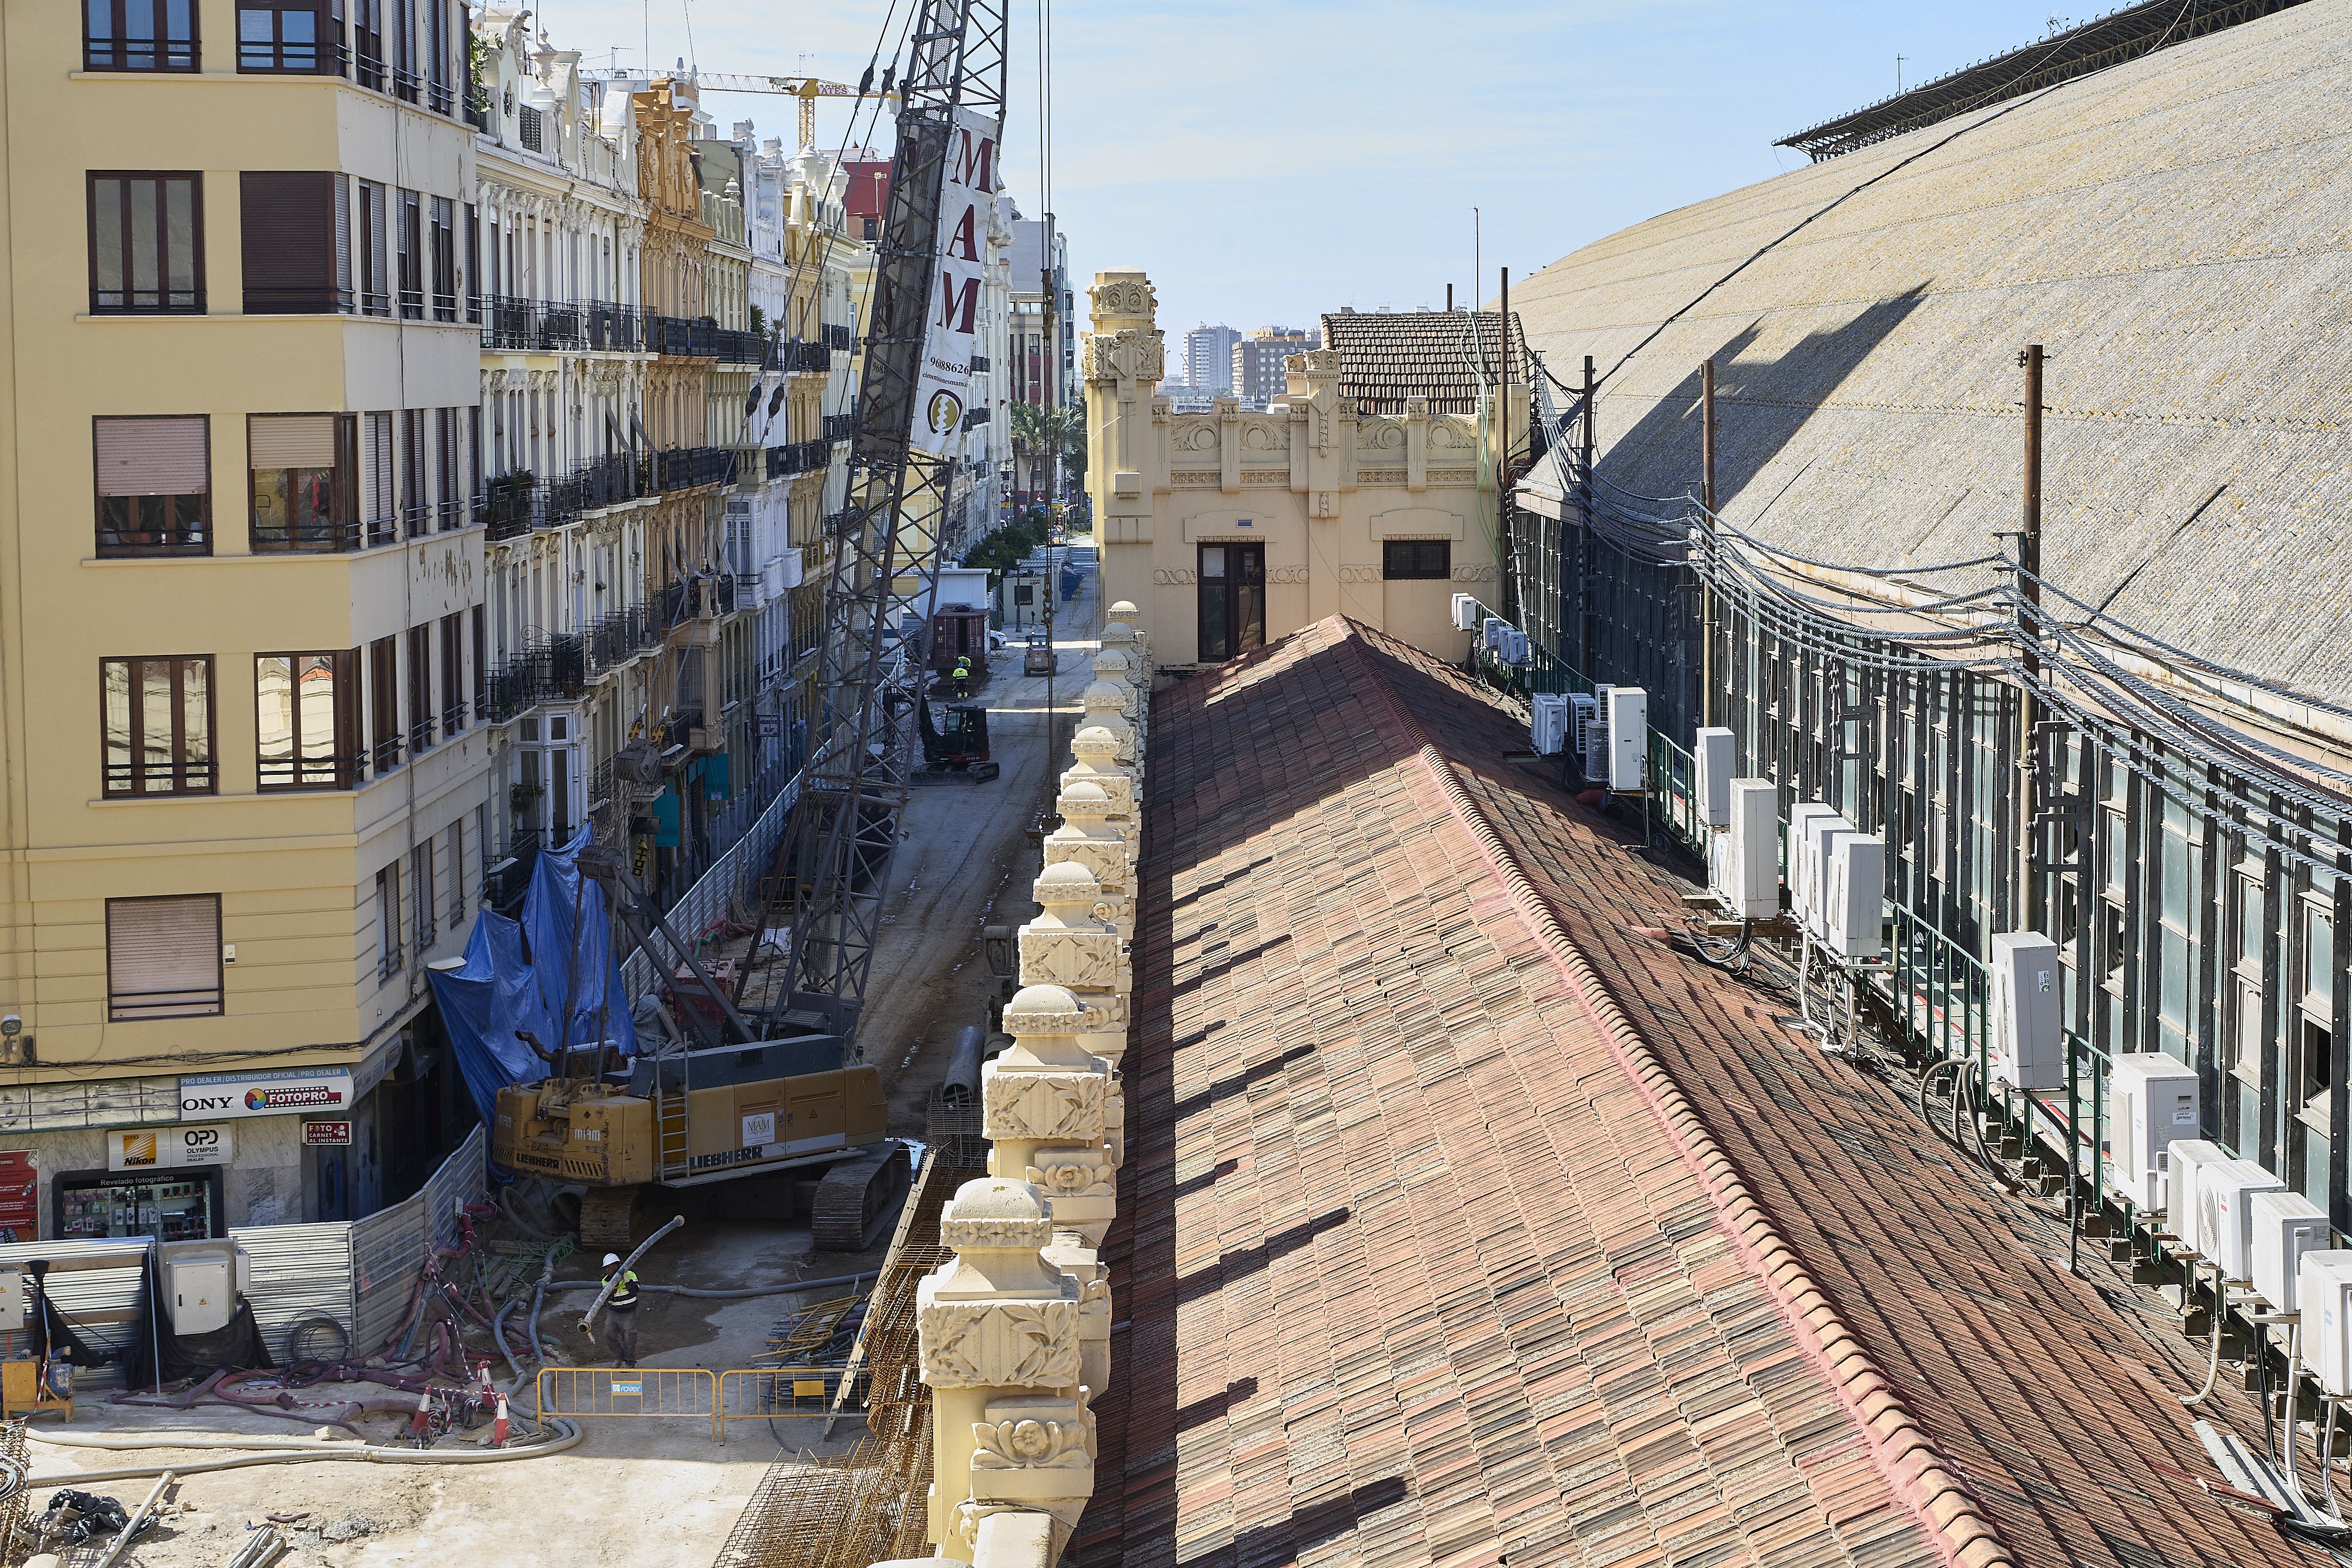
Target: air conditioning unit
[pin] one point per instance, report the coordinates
(1592, 737)
(1490, 634)
(2029, 1044)
(2225, 1199)
(1465, 612)
(1711, 753)
(1854, 917)
(2324, 1287)
(2155, 1102)
(1802, 818)
(1629, 735)
(2286, 1225)
(1547, 723)
(1747, 879)
(1514, 648)
(2185, 1162)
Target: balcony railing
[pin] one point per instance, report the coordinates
(683, 469)
(837, 336)
(326, 536)
(840, 426)
(799, 457)
(511, 505)
(554, 325)
(804, 357)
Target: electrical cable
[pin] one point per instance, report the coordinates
(290, 1451)
(2221, 1316)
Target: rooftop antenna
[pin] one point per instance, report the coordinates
(1898, 73)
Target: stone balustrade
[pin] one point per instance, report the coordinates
(1015, 1332)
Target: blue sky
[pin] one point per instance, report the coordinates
(1268, 160)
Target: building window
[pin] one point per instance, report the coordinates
(146, 244)
(375, 258)
(408, 249)
(384, 703)
(367, 40)
(302, 494)
(154, 486)
(445, 259)
(379, 506)
(158, 726)
(442, 97)
(453, 673)
(162, 957)
(1415, 560)
(420, 690)
(421, 903)
(139, 36)
(295, 230)
(387, 922)
(534, 139)
(275, 36)
(307, 720)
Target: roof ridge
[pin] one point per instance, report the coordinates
(1915, 1471)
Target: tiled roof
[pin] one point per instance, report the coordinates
(2172, 229)
(1388, 357)
(1464, 1224)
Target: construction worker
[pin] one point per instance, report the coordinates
(621, 1307)
(961, 675)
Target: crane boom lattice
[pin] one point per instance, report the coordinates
(835, 863)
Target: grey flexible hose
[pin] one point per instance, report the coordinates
(2213, 1366)
(792, 1288)
(588, 1318)
(279, 1454)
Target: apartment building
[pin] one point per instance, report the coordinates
(569, 495)
(1208, 357)
(1044, 362)
(1259, 360)
(243, 620)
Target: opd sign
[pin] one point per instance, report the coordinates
(167, 1148)
(266, 1094)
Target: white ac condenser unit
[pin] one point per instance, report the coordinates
(1592, 737)
(2186, 1161)
(1629, 736)
(2155, 1101)
(2225, 1199)
(2286, 1225)
(1802, 816)
(2029, 1043)
(1465, 612)
(1748, 875)
(1854, 919)
(1711, 760)
(2324, 1288)
(1547, 723)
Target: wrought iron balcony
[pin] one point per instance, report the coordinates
(804, 358)
(555, 326)
(799, 457)
(837, 336)
(683, 469)
(510, 504)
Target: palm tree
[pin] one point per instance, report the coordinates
(1032, 437)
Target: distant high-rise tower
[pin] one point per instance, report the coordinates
(1209, 358)
(1257, 359)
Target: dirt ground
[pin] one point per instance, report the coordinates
(651, 1491)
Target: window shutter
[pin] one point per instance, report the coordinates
(152, 457)
(379, 500)
(163, 957)
(288, 223)
(343, 298)
(292, 441)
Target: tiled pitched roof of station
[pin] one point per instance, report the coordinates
(1463, 1224)
(1387, 357)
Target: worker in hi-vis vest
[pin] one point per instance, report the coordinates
(622, 1306)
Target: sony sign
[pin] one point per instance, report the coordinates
(311, 1090)
(952, 313)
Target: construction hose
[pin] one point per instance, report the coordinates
(281, 1454)
(123, 1538)
(792, 1288)
(2213, 1367)
(588, 1318)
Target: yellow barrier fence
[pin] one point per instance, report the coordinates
(596, 1393)
(755, 1393)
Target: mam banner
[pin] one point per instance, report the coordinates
(968, 188)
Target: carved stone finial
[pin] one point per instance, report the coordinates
(1123, 609)
(1095, 743)
(1043, 1010)
(995, 1213)
(1066, 886)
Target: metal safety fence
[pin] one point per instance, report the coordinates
(758, 1393)
(687, 1393)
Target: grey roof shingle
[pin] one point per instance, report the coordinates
(2176, 231)
(1387, 357)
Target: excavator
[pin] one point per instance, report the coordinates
(723, 1098)
(712, 1101)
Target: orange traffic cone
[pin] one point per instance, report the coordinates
(423, 1417)
(499, 1432)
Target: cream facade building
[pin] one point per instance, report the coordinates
(244, 787)
(1231, 528)
(563, 366)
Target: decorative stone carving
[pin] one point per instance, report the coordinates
(1131, 353)
(1097, 751)
(1044, 1106)
(1066, 944)
(1105, 704)
(1475, 573)
(1359, 574)
(1123, 293)
(998, 1325)
(1176, 576)
(1031, 1107)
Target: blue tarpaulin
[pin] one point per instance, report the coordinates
(517, 975)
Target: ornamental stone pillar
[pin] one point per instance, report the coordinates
(1106, 705)
(1113, 664)
(1124, 613)
(999, 1329)
(1045, 1107)
(1088, 837)
(1097, 751)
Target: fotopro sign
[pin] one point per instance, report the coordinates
(966, 190)
(281, 1093)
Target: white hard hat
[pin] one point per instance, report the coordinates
(611, 1259)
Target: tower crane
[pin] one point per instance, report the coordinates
(808, 90)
